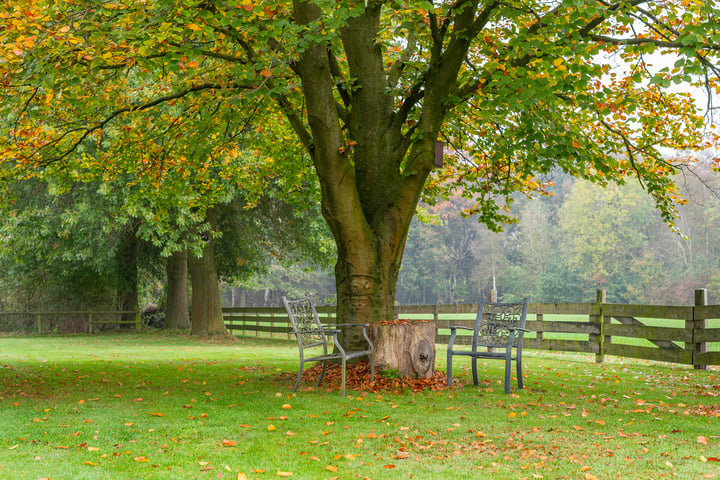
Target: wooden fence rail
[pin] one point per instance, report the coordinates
(687, 335)
(42, 319)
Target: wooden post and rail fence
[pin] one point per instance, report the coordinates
(44, 321)
(687, 335)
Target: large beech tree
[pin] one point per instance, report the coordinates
(367, 89)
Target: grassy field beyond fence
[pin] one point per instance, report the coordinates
(165, 406)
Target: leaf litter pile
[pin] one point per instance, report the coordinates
(357, 377)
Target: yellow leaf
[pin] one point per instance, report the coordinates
(287, 406)
(331, 468)
(271, 428)
(155, 414)
(141, 459)
(512, 415)
(241, 476)
(92, 464)
(284, 474)
(193, 27)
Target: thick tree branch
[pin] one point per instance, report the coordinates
(137, 107)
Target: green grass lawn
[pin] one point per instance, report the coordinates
(156, 405)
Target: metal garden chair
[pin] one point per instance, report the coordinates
(501, 327)
(311, 334)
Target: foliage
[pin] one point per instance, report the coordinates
(194, 97)
(124, 406)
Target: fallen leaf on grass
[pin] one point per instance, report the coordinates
(389, 466)
(242, 476)
(156, 414)
(284, 474)
(702, 439)
(141, 459)
(331, 468)
(229, 443)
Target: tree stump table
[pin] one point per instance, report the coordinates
(405, 345)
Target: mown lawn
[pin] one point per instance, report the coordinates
(157, 405)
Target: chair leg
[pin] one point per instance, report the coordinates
(299, 377)
(519, 370)
(448, 379)
(322, 373)
(342, 391)
(474, 372)
(508, 369)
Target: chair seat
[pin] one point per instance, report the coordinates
(467, 353)
(337, 356)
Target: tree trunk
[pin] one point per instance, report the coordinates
(371, 173)
(177, 315)
(408, 347)
(127, 274)
(206, 318)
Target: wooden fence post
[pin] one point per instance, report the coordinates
(597, 319)
(90, 323)
(697, 325)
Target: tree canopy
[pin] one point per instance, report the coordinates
(362, 92)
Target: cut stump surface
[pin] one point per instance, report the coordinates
(407, 346)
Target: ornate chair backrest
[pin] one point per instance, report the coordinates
(305, 323)
(495, 324)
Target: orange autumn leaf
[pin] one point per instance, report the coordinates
(331, 468)
(141, 459)
(229, 443)
(389, 466)
(156, 414)
(702, 439)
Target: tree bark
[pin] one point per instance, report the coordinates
(177, 315)
(127, 274)
(408, 347)
(206, 318)
(371, 164)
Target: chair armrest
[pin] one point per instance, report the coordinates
(324, 330)
(460, 327)
(520, 330)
